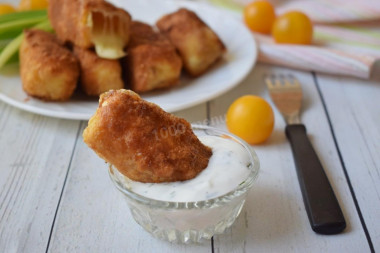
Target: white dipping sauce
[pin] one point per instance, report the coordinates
(227, 168)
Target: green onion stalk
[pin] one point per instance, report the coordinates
(11, 31)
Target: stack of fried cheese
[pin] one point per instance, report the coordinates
(108, 51)
(85, 26)
(144, 142)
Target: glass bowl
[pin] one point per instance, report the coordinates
(190, 222)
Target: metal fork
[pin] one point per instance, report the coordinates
(322, 207)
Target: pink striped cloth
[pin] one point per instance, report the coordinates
(346, 36)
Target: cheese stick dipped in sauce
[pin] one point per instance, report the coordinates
(144, 142)
(228, 167)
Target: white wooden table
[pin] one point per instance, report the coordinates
(56, 195)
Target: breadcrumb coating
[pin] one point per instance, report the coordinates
(48, 70)
(144, 142)
(78, 21)
(197, 44)
(98, 75)
(152, 61)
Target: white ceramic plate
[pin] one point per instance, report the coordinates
(237, 63)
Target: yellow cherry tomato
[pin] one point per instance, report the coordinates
(259, 16)
(251, 118)
(293, 27)
(6, 8)
(33, 5)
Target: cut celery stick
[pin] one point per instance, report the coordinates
(13, 59)
(22, 15)
(12, 48)
(11, 25)
(3, 44)
(12, 34)
(19, 24)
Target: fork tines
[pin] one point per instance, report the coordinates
(281, 81)
(286, 93)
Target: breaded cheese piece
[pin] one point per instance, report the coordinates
(197, 44)
(98, 75)
(144, 142)
(88, 23)
(48, 70)
(152, 61)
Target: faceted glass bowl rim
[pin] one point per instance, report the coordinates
(202, 204)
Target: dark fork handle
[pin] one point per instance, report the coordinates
(321, 205)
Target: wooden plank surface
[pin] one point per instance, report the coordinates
(42, 158)
(354, 110)
(35, 152)
(94, 217)
(274, 217)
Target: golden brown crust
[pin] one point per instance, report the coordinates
(98, 75)
(152, 61)
(69, 25)
(144, 142)
(48, 70)
(70, 19)
(197, 44)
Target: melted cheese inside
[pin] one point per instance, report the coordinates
(109, 34)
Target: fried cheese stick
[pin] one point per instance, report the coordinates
(98, 75)
(48, 70)
(144, 142)
(152, 61)
(88, 23)
(197, 44)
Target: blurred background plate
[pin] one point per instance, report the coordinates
(236, 64)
